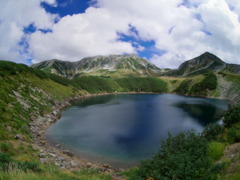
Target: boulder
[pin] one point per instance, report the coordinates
(67, 152)
(54, 113)
(89, 165)
(41, 155)
(17, 136)
(73, 164)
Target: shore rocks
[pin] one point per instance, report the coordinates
(41, 155)
(73, 164)
(67, 152)
(50, 154)
(54, 113)
(89, 165)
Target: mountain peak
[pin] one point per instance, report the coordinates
(203, 63)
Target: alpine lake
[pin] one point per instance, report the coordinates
(123, 129)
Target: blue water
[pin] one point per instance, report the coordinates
(129, 128)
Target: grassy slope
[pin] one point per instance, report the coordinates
(24, 95)
(27, 94)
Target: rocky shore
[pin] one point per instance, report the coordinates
(59, 155)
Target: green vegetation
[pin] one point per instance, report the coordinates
(144, 84)
(213, 132)
(232, 116)
(198, 85)
(184, 87)
(209, 83)
(96, 85)
(184, 156)
(215, 150)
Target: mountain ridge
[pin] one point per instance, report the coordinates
(112, 65)
(133, 65)
(202, 64)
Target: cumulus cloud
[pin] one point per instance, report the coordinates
(180, 29)
(14, 17)
(81, 35)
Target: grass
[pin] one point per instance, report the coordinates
(90, 174)
(215, 150)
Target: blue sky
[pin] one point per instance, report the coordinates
(164, 32)
(67, 7)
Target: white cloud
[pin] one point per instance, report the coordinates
(182, 32)
(14, 16)
(81, 35)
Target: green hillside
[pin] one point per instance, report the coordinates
(27, 94)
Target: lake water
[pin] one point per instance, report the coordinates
(124, 129)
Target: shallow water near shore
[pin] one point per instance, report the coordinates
(124, 129)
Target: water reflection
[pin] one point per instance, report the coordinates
(203, 113)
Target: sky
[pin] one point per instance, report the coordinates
(165, 32)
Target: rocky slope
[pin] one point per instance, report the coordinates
(203, 64)
(113, 65)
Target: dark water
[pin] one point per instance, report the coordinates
(128, 128)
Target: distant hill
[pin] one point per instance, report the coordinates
(112, 65)
(203, 64)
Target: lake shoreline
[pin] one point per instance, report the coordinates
(59, 154)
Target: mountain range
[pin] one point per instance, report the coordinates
(132, 65)
(112, 65)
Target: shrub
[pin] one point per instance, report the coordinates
(5, 161)
(232, 116)
(183, 87)
(59, 79)
(212, 132)
(233, 134)
(208, 83)
(39, 73)
(27, 165)
(215, 150)
(4, 147)
(184, 156)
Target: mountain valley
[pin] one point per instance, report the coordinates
(32, 96)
